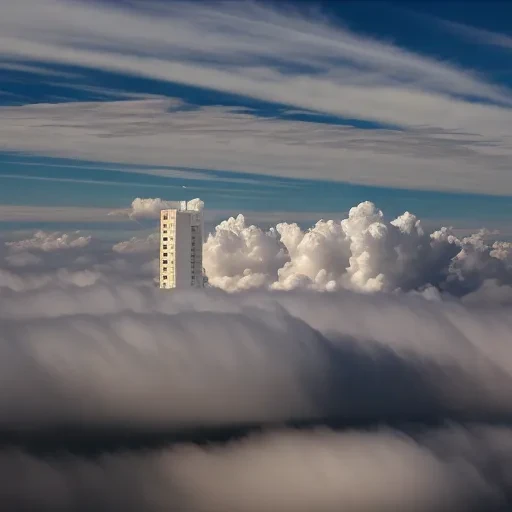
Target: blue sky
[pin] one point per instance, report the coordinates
(289, 109)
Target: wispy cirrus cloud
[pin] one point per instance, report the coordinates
(241, 35)
(477, 34)
(156, 133)
(450, 123)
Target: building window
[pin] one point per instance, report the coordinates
(164, 269)
(164, 278)
(165, 254)
(164, 262)
(165, 246)
(165, 239)
(166, 216)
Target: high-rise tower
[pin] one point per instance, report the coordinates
(181, 246)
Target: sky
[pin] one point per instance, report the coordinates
(281, 111)
(352, 348)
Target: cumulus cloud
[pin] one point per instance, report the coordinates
(49, 242)
(138, 245)
(150, 208)
(363, 252)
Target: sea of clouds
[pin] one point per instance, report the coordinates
(393, 345)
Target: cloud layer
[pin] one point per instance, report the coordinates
(421, 377)
(275, 55)
(448, 470)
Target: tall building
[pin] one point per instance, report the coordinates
(181, 246)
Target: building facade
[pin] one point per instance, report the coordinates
(181, 246)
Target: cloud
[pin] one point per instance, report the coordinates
(139, 245)
(108, 348)
(146, 208)
(272, 55)
(218, 138)
(36, 70)
(477, 35)
(239, 37)
(150, 208)
(283, 471)
(49, 242)
(362, 252)
(90, 346)
(24, 213)
(22, 259)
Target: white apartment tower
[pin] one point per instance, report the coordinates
(181, 246)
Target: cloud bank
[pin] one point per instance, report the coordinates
(447, 470)
(406, 382)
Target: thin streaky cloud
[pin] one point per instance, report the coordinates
(163, 172)
(477, 34)
(36, 70)
(453, 122)
(151, 133)
(217, 191)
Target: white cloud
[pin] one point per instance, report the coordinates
(257, 51)
(363, 252)
(237, 36)
(50, 242)
(36, 70)
(22, 259)
(477, 34)
(138, 245)
(150, 208)
(26, 213)
(220, 138)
